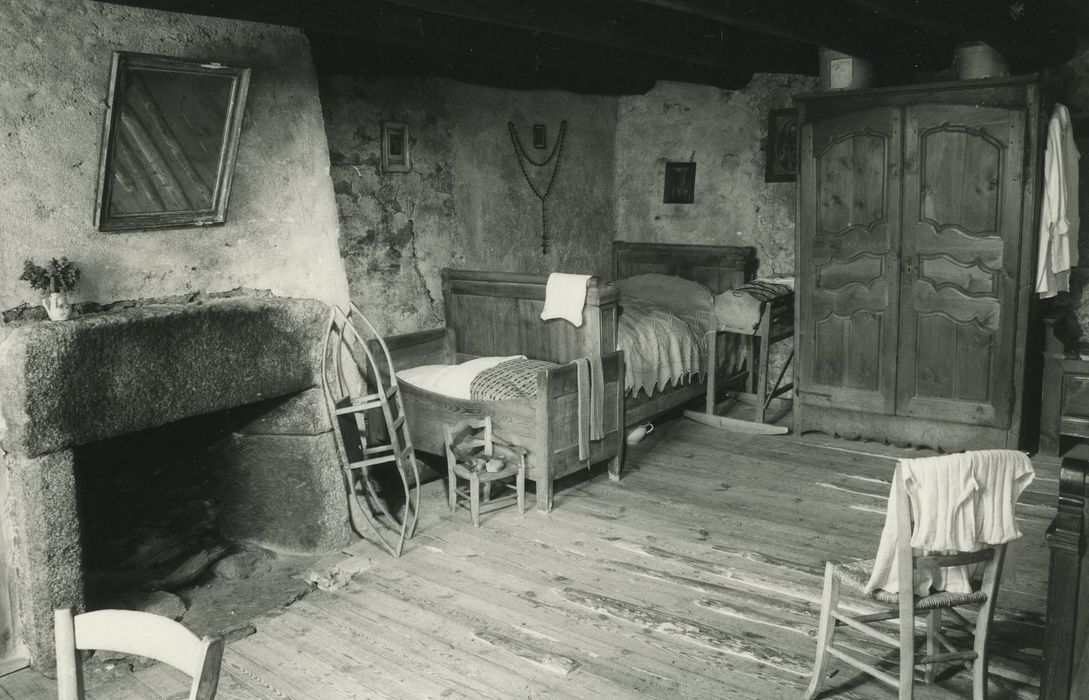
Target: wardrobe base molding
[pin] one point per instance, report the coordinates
(901, 430)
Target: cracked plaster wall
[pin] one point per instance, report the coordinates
(465, 204)
(723, 132)
(54, 72)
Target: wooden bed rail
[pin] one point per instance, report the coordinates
(499, 313)
(1066, 641)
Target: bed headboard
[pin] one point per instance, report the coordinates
(499, 313)
(720, 267)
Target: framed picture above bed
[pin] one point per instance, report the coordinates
(680, 183)
(395, 148)
(782, 147)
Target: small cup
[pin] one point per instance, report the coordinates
(639, 432)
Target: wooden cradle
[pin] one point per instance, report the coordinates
(499, 314)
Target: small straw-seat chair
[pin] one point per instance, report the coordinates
(469, 445)
(904, 606)
(137, 633)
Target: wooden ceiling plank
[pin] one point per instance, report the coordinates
(334, 55)
(837, 24)
(392, 24)
(642, 29)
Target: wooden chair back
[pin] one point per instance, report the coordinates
(473, 433)
(136, 633)
(908, 560)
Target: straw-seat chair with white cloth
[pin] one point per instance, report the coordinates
(948, 521)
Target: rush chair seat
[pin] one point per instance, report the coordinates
(137, 633)
(476, 455)
(939, 606)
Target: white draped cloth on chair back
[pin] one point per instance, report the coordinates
(959, 503)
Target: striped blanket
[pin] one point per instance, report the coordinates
(513, 379)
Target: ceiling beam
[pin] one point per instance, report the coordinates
(395, 25)
(637, 28)
(335, 56)
(833, 23)
(1030, 35)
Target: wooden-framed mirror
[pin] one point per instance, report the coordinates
(168, 142)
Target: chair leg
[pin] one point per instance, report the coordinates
(474, 499)
(979, 666)
(991, 577)
(933, 629)
(452, 479)
(907, 649)
(827, 629)
(981, 646)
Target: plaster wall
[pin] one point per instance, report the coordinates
(723, 131)
(465, 204)
(281, 228)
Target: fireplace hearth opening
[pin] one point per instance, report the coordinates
(150, 506)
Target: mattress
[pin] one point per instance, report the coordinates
(480, 379)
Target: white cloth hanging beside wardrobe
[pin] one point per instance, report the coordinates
(1059, 209)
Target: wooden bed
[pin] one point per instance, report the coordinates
(498, 314)
(716, 266)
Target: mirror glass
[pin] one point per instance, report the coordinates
(169, 142)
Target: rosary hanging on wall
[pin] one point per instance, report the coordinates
(523, 158)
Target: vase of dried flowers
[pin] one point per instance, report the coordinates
(54, 282)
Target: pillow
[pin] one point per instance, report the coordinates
(674, 293)
(451, 380)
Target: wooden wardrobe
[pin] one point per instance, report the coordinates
(917, 210)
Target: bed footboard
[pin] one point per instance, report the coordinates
(557, 408)
(547, 426)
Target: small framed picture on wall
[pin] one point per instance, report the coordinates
(395, 148)
(680, 183)
(782, 156)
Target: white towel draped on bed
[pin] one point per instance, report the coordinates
(565, 296)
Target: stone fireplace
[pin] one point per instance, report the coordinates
(77, 383)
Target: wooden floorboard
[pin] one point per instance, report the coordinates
(698, 575)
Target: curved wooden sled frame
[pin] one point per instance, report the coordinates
(344, 408)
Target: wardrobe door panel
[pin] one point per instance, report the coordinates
(960, 257)
(849, 235)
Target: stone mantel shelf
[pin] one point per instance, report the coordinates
(102, 375)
